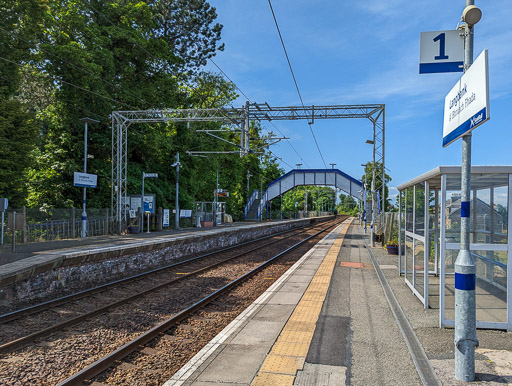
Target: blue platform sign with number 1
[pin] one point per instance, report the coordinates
(441, 51)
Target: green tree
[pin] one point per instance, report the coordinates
(19, 28)
(347, 205)
(104, 56)
(318, 198)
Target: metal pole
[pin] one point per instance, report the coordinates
(372, 226)
(465, 307)
(307, 195)
(177, 215)
(13, 231)
(261, 189)
(142, 206)
(2, 237)
(383, 198)
(215, 197)
(84, 213)
(248, 177)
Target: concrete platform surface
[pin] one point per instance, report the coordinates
(327, 322)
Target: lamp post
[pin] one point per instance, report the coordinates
(177, 165)
(336, 189)
(86, 120)
(298, 165)
(216, 199)
(465, 270)
(372, 224)
(365, 185)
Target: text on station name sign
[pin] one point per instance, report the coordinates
(85, 180)
(467, 104)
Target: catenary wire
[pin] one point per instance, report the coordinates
(71, 64)
(71, 104)
(295, 80)
(215, 64)
(272, 123)
(149, 53)
(73, 85)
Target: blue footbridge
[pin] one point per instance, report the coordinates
(299, 177)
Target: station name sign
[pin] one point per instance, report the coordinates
(85, 180)
(467, 104)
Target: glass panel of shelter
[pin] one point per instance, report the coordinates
(489, 247)
(415, 252)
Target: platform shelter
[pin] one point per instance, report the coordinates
(429, 239)
(298, 177)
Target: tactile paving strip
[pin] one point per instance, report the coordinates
(288, 353)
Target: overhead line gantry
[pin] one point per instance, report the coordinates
(121, 121)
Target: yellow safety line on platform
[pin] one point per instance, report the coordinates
(289, 352)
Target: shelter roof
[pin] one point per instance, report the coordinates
(481, 177)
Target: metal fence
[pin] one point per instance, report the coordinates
(36, 225)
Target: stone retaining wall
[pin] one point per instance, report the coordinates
(61, 275)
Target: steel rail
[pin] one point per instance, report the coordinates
(22, 341)
(8, 317)
(117, 355)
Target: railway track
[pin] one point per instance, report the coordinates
(197, 283)
(27, 331)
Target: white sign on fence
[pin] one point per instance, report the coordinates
(441, 51)
(467, 104)
(85, 180)
(185, 212)
(165, 221)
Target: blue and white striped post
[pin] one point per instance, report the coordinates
(465, 270)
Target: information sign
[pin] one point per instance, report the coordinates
(85, 180)
(185, 212)
(467, 104)
(441, 51)
(149, 202)
(165, 220)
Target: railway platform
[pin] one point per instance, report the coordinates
(341, 315)
(40, 270)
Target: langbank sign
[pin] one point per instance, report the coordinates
(467, 104)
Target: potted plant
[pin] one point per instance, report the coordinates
(392, 247)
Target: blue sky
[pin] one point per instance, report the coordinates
(367, 51)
